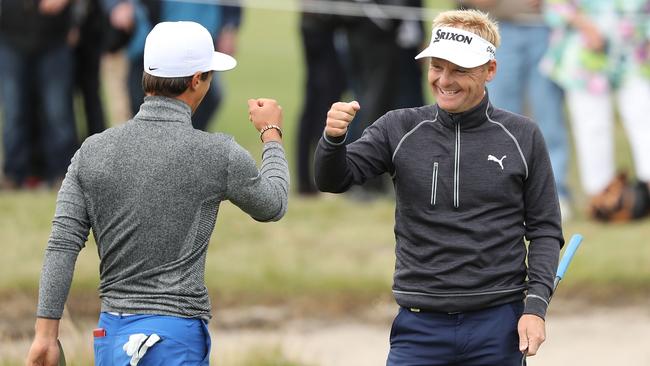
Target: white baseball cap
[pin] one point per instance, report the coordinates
(178, 49)
(459, 46)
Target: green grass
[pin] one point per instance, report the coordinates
(328, 249)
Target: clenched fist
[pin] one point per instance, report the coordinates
(339, 117)
(265, 112)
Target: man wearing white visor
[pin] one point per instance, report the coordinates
(150, 190)
(473, 183)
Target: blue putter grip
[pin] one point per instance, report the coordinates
(574, 244)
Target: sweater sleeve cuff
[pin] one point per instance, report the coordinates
(536, 305)
(335, 141)
(48, 313)
(272, 145)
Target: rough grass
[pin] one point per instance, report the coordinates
(330, 248)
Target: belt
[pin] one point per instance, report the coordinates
(419, 310)
(119, 314)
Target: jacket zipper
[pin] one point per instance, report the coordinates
(434, 184)
(457, 167)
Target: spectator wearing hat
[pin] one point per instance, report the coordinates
(473, 183)
(150, 190)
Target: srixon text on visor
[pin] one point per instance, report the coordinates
(440, 34)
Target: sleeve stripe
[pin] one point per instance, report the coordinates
(538, 297)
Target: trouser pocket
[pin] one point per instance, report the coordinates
(108, 351)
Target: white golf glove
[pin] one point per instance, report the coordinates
(138, 345)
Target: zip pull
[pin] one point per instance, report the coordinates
(457, 168)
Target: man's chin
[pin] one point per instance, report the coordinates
(447, 106)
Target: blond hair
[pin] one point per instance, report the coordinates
(474, 21)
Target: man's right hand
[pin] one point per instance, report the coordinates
(339, 117)
(263, 112)
(43, 352)
(45, 348)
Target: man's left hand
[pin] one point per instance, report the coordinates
(532, 333)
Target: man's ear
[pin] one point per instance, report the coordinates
(491, 69)
(196, 80)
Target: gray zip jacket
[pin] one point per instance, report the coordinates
(150, 190)
(469, 188)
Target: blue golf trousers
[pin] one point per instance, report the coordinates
(184, 341)
(485, 337)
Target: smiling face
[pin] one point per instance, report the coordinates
(458, 89)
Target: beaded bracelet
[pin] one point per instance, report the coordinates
(270, 127)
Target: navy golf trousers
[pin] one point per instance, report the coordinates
(485, 337)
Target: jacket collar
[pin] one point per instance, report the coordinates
(164, 109)
(468, 119)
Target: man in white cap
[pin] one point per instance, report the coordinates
(150, 190)
(472, 184)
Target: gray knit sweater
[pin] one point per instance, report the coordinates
(150, 190)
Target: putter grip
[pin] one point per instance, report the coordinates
(574, 243)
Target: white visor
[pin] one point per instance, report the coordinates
(459, 46)
(178, 49)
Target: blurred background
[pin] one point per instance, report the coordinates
(314, 288)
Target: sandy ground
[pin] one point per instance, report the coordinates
(596, 336)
